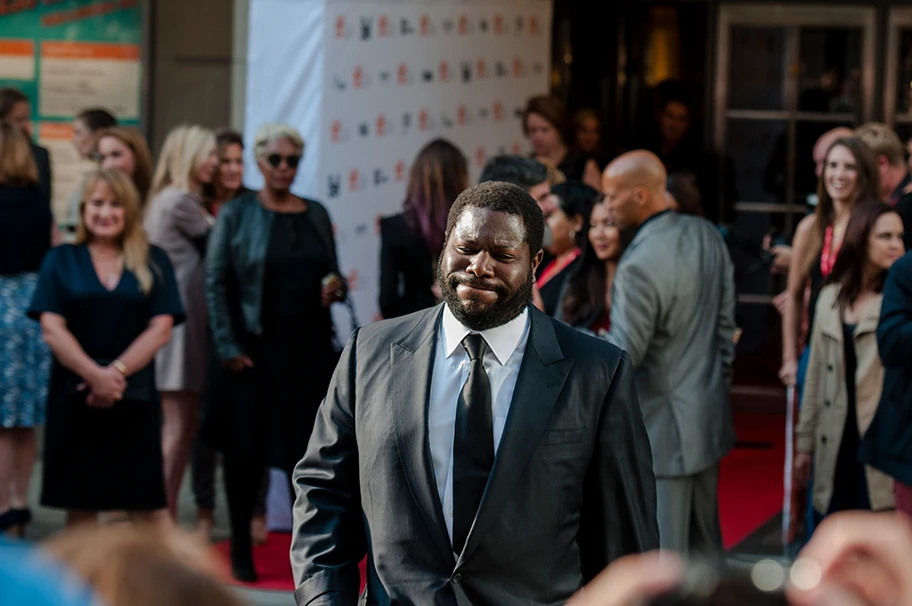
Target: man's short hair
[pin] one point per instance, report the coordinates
(499, 196)
(523, 172)
(882, 141)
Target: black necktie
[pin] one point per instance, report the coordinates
(473, 446)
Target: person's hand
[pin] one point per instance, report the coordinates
(788, 374)
(862, 553)
(93, 401)
(802, 467)
(107, 384)
(780, 301)
(332, 291)
(782, 259)
(631, 580)
(238, 363)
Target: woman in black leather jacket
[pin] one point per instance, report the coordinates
(272, 274)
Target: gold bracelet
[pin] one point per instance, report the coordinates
(120, 366)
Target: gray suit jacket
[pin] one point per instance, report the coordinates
(572, 486)
(673, 311)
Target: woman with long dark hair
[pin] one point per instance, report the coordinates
(586, 299)
(411, 241)
(845, 374)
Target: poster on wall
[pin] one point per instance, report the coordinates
(66, 56)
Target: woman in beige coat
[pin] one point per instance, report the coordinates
(845, 374)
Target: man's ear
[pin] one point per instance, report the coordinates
(536, 260)
(641, 195)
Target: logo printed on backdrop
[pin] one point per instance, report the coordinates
(385, 76)
(424, 120)
(499, 27)
(359, 78)
(339, 84)
(425, 24)
(427, 75)
(462, 115)
(534, 26)
(355, 182)
(520, 23)
(444, 71)
(500, 70)
(481, 69)
(406, 122)
(448, 26)
(483, 113)
(383, 29)
(333, 185)
(380, 177)
(405, 27)
(400, 171)
(516, 149)
(466, 69)
(518, 70)
(364, 129)
(446, 120)
(483, 25)
(337, 134)
(464, 25)
(342, 29)
(480, 157)
(538, 68)
(403, 75)
(367, 25)
(498, 111)
(382, 127)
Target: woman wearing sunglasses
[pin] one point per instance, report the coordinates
(272, 275)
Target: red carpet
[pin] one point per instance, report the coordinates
(750, 493)
(750, 477)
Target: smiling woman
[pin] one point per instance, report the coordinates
(106, 305)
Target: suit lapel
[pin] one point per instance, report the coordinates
(411, 366)
(541, 378)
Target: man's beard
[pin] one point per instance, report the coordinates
(507, 307)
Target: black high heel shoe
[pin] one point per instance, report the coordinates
(9, 522)
(23, 519)
(242, 567)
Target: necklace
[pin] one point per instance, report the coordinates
(104, 257)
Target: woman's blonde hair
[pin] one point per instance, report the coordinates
(138, 566)
(133, 240)
(17, 166)
(184, 151)
(269, 133)
(142, 157)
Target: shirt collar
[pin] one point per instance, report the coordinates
(502, 339)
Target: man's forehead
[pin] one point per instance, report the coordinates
(476, 221)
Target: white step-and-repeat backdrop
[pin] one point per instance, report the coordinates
(368, 83)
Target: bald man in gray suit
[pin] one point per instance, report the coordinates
(673, 311)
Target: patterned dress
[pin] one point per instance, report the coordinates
(25, 237)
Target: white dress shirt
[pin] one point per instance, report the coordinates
(506, 346)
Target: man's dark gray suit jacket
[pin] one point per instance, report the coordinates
(572, 486)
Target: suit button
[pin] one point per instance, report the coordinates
(457, 578)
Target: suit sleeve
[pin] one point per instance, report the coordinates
(894, 331)
(328, 540)
(634, 309)
(726, 327)
(619, 500)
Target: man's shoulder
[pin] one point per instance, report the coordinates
(903, 266)
(585, 349)
(384, 332)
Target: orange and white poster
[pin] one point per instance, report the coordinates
(17, 60)
(76, 75)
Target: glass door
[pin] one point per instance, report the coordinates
(898, 80)
(784, 76)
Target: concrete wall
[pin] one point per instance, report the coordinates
(198, 55)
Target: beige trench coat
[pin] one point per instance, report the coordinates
(825, 402)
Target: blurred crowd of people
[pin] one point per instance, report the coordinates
(174, 319)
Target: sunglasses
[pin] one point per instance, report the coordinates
(275, 160)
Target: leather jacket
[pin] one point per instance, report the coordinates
(236, 263)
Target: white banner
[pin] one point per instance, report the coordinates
(369, 83)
